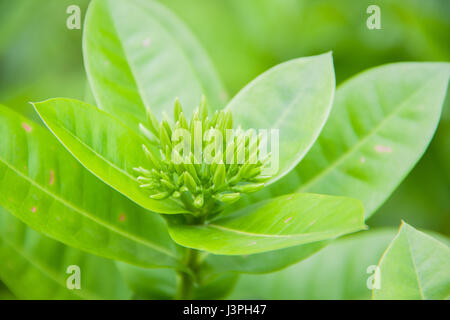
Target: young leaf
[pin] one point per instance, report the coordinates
(138, 54)
(294, 97)
(414, 266)
(105, 146)
(341, 271)
(381, 123)
(45, 187)
(35, 267)
(273, 224)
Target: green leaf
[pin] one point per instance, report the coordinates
(381, 123)
(138, 54)
(35, 267)
(273, 224)
(341, 271)
(149, 284)
(294, 97)
(217, 288)
(161, 284)
(5, 293)
(395, 85)
(105, 146)
(260, 262)
(45, 187)
(415, 266)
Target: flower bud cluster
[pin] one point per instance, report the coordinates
(202, 162)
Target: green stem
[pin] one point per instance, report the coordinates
(186, 284)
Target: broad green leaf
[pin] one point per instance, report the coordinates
(260, 262)
(295, 98)
(273, 224)
(105, 146)
(149, 284)
(219, 287)
(45, 187)
(415, 266)
(392, 94)
(161, 284)
(341, 271)
(35, 267)
(138, 54)
(381, 123)
(5, 293)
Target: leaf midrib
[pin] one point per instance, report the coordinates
(356, 146)
(91, 149)
(184, 54)
(416, 272)
(89, 216)
(294, 101)
(132, 68)
(251, 234)
(89, 74)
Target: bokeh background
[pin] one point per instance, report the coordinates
(40, 58)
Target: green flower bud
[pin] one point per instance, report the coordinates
(148, 134)
(142, 171)
(191, 169)
(219, 176)
(203, 109)
(183, 121)
(160, 196)
(150, 156)
(177, 110)
(214, 119)
(168, 184)
(187, 175)
(164, 138)
(228, 198)
(189, 182)
(144, 179)
(156, 173)
(228, 120)
(152, 122)
(176, 194)
(199, 201)
(248, 188)
(165, 124)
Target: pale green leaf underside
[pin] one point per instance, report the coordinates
(35, 267)
(45, 187)
(258, 263)
(105, 146)
(338, 272)
(381, 123)
(138, 54)
(149, 284)
(295, 98)
(274, 224)
(161, 284)
(415, 266)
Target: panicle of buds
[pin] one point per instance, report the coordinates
(202, 162)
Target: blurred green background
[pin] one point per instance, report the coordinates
(40, 58)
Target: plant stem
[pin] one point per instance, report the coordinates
(186, 284)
